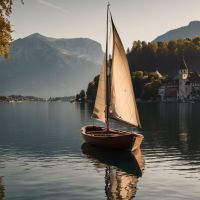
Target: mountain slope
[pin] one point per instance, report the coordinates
(190, 31)
(43, 66)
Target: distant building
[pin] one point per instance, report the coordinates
(184, 87)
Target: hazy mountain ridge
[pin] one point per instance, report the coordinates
(189, 31)
(43, 66)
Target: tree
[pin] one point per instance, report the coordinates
(150, 90)
(92, 88)
(77, 98)
(5, 27)
(82, 95)
(127, 51)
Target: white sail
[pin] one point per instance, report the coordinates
(100, 102)
(123, 105)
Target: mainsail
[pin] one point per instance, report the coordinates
(100, 102)
(123, 105)
(122, 99)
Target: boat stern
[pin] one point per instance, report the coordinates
(138, 141)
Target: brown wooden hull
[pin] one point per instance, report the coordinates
(114, 139)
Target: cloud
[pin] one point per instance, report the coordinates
(51, 5)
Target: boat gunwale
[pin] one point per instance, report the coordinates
(103, 133)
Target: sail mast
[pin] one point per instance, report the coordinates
(107, 75)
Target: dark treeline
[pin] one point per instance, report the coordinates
(164, 56)
(145, 85)
(80, 97)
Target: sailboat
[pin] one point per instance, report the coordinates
(115, 99)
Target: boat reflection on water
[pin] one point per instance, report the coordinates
(122, 170)
(2, 189)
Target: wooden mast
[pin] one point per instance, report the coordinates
(107, 76)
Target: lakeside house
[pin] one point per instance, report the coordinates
(183, 87)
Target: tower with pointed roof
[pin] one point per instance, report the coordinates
(184, 85)
(183, 69)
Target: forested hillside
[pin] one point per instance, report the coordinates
(164, 56)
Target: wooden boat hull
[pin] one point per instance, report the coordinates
(114, 139)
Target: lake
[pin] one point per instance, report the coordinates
(43, 156)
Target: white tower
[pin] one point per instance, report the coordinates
(183, 89)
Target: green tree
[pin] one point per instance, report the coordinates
(92, 89)
(196, 41)
(5, 27)
(138, 80)
(151, 89)
(127, 51)
(77, 98)
(82, 95)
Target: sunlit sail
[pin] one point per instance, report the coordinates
(123, 105)
(114, 99)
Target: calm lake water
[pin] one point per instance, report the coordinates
(43, 156)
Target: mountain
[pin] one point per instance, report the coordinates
(43, 66)
(190, 31)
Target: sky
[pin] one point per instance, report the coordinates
(134, 19)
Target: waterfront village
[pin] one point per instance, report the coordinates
(184, 87)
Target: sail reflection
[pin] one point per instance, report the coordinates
(122, 170)
(2, 189)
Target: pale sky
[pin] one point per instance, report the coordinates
(134, 19)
